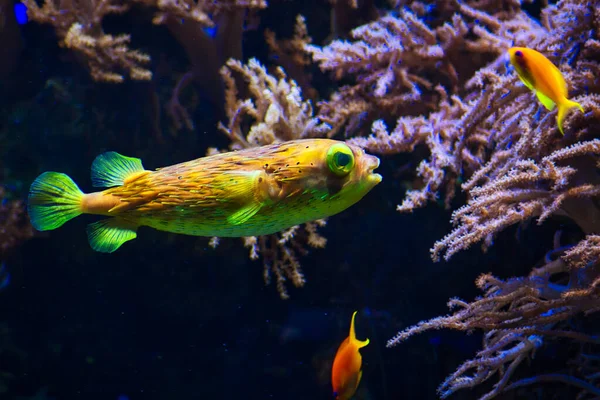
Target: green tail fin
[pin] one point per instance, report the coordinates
(111, 169)
(108, 235)
(53, 200)
(563, 110)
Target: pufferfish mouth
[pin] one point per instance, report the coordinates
(372, 164)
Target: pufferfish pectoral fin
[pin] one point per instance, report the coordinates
(108, 235)
(113, 169)
(244, 214)
(244, 187)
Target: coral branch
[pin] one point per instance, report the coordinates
(78, 25)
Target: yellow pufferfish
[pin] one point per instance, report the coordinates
(251, 192)
(540, 75)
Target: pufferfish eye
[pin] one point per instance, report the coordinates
(340, 159)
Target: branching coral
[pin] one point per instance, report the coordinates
(275, 112)
(207, 52)
(78, 25)
(488, 136)
(398, 62)
(518, 315)
(502, 143)
(290, 55)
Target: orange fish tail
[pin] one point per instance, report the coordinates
(563, 110)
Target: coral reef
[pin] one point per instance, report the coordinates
(78, 26)
(437, 72)
(488, 138)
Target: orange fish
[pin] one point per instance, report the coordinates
(346, 371)
(540, 75)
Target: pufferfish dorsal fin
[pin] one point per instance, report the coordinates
(245, 188)
(112, 169)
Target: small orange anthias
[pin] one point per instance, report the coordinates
(346, 371)
(547, 82)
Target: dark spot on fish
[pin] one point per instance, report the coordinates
(287, 165)
(298, 163)
(266, 165)
(307, 147)
(311, 164)
(299, 171)
(180, 177)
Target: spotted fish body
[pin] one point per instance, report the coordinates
(251, 192)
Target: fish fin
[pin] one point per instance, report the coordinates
(244, 187)
(358, 378)
(528, 84)
(352, 335)
(53, 200)
(241, 185)
(108, 235)
(563, 109)
(112, 169)
(545, 100)
(244, 214)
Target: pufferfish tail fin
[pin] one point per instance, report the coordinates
(53, 200)
(112, 169)
(108, 235)
(563, 109)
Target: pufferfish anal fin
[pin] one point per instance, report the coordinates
(108, 235)
(244, 187)
(112, 169)
(549, 104)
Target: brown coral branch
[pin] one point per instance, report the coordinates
(78, 25)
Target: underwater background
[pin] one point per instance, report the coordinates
(173, 317)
